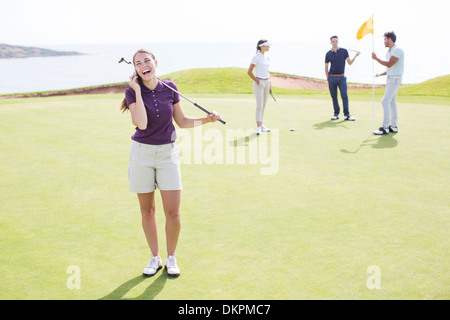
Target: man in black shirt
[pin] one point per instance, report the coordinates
(336, 78)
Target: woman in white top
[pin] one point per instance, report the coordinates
(261, 82)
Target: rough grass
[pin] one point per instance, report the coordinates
(236, 81)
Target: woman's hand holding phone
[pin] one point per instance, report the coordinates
(134, 82)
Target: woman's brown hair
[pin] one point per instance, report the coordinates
(124, 106)
(260, 42)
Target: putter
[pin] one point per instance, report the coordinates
(195, 104)
(291, 128)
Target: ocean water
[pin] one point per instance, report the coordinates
(99, 64)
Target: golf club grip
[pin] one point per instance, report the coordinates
(273, 97)
(207, 112)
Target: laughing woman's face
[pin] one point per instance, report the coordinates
(145, 66)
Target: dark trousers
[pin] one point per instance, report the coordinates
(333, 84)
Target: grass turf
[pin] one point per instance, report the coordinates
(342, 200)
(236, 81)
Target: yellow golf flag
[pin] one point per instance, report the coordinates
(366, 28)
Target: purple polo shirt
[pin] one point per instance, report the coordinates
(159, 106)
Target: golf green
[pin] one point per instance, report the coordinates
(328, 211)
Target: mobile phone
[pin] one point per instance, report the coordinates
(137, 74)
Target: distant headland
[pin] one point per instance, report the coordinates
(9, 52)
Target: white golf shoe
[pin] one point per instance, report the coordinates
(153, 266)
(258, 131)
(264, 129)
(393, 129)
(171, 266)
(349, 118)
(381, 131)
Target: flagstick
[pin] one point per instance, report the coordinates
(373, 77)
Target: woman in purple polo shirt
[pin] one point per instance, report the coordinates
(154, 158)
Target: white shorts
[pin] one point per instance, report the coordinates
(154, 166)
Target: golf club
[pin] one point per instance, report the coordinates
(291, 128)
(123, 60)
(195, 104)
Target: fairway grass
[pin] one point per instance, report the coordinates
(341, 202)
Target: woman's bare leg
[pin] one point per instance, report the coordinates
(147, 204)
(171, 203)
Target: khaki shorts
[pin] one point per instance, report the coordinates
(154, 166)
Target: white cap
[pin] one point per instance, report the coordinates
(265, 44)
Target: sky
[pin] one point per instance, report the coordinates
(54, 22)
(420, 26)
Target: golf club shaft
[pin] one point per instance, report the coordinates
(194, 103)
(281, 110)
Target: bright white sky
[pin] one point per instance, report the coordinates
(31, 22)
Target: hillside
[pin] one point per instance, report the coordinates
(439, 86)
(236, 81)
(8, 52)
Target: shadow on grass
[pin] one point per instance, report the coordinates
(329, 124)
(243, 141)
(376, 142)
(149, 294)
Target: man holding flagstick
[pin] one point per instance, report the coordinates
(395, 60)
